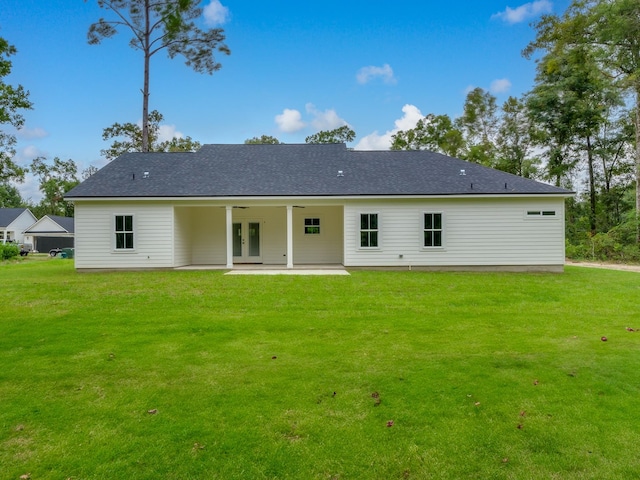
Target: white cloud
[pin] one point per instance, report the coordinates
(524, 12)
(167, 132)
(215, 13)
(290, 121)
(25, 155)
(375, 141)
(327, 120)
(501, 85)
(30, 188)
(30, 133)
(366, 74)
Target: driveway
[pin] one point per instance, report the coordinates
(609, 266)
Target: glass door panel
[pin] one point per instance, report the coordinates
(254, 239)
(237, 239)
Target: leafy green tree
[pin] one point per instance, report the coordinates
(128, 137)
(10, 196)
(577, 93)
(609, 29)
(262, 140)
(433, 132)
(12, 101)
(158, 25)
(55, 179)
(478, 125)
(514, 140)
(342, 134)
(615, 173)
(87, 172)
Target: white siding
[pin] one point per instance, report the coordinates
(477, 232)
(95, 237)
(181, 244)
(208, 236)
(19, 225)
(325, 248)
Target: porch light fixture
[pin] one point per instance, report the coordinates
(340, 173)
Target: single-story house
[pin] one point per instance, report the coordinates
(13, 222)
(51, 231)
(294, 205)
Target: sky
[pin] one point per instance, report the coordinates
(296, 67)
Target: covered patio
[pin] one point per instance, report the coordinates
(244, 234)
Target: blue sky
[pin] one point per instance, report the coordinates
(296, 67)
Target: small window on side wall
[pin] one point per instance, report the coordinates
(312, 226)
(541, 213)
(124, 232)
(369, 230)
(432, 235)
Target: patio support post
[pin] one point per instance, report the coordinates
(289, 236)
(229, 222)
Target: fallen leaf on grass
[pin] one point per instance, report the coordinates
(390, 423)
(520, 426)
(477, 404)
(153, 411)
(26, 476)
(505, 460)
(523, 413)
(629, 329)
(535, 382)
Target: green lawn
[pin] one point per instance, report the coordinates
(379, 375)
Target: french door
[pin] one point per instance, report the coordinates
(247, 242)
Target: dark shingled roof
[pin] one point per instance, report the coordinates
(8, 215)
(298, 170)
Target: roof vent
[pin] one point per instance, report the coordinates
(145, 174)
(462, 172)
(340, 173)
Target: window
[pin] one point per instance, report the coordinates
(369, 230)
(543, 213)
(312, 226)
(432, 230)
(124, 232)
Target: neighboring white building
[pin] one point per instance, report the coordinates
(51, 231)
(294, 205)
(13, 222)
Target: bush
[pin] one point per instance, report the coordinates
(8, 250)
(617, 245)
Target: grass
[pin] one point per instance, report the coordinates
(190, 375)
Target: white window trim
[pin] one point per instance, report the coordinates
(422, 230)
(113, 234)
(359, 231)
